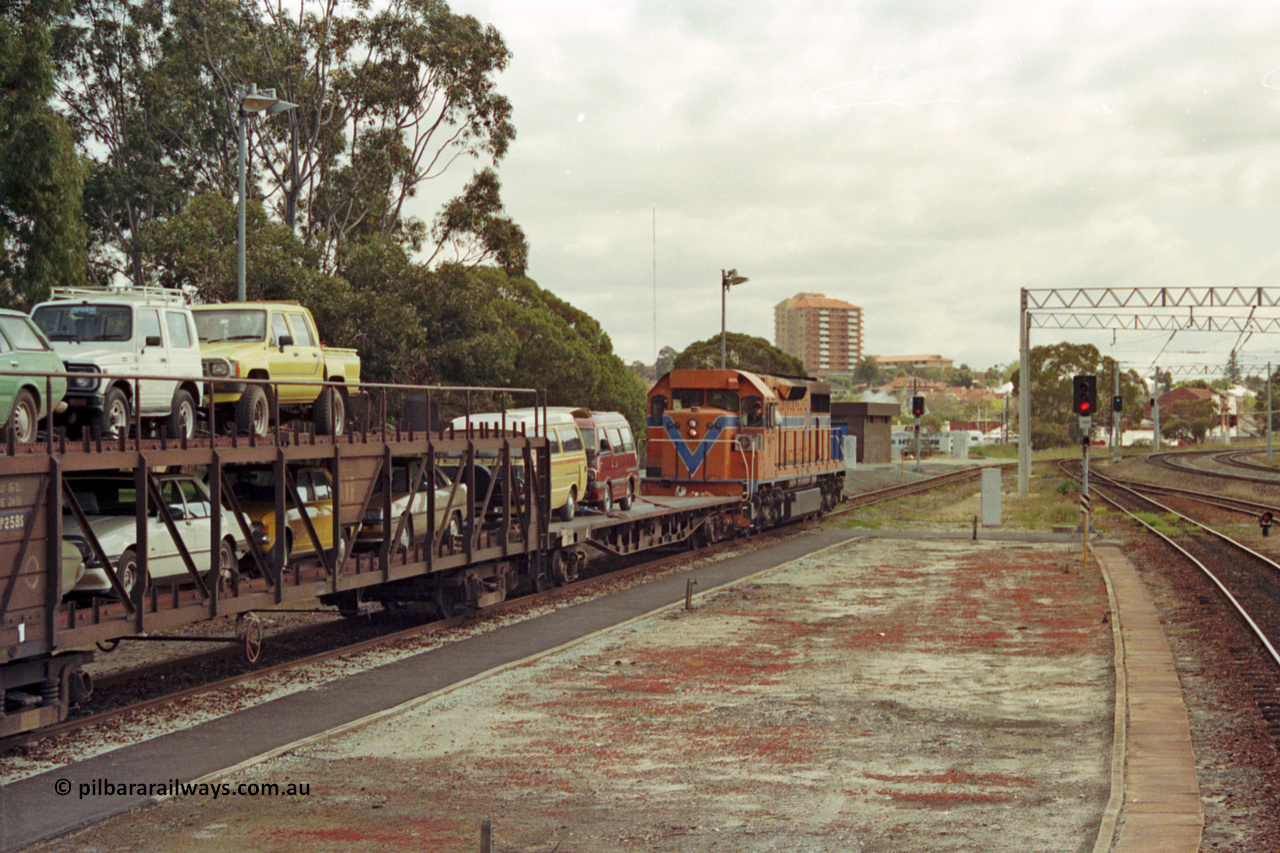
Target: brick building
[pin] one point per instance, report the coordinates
(824, 333)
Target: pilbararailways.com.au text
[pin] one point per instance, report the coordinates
(178, 788)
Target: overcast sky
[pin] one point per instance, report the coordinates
(922, 160)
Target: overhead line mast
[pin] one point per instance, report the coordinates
(1138, 308)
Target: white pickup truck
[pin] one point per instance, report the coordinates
(125, 333)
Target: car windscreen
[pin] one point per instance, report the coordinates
(588, 440)
(71, 322)
(105, 497)
(215, 326)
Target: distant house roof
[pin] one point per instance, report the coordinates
(919, 360)
(899, 383)
(1186, 394)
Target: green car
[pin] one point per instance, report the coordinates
(25, 349)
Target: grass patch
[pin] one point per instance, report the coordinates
(1169, 525)
(1053, 502)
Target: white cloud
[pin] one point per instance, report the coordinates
(921, 160)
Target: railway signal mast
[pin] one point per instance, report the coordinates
(917, 410)
(1084, 400)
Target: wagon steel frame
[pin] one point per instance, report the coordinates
(45, 639)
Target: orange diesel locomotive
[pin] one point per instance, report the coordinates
(730, 432)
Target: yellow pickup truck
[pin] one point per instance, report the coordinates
(276, 341)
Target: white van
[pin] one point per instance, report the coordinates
(125, 333)
(568, 454)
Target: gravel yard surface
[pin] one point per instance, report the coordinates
(883, 695)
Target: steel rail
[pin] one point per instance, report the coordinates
(1105, 483)
(1221, 501)
(863, 499)
(1177, 461)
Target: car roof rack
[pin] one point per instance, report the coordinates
(146, 293)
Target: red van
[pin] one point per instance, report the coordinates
(613, 467)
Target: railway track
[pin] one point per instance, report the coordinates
(901, 490)
(144, 689)
(1227, 464)
(1248, 581)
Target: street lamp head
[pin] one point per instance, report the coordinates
(256, 100)
(728, 278)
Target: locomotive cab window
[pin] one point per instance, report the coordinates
(721, 399)
(657, 406)
(752, 411)
(686, 398)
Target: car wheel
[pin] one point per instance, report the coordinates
(608, 497)
(406, 539)
(629, 498)
(253, 411)
(288, 549)
(24, 418)
(330, 414)
(339, 552)
(182, 420)
(452, 533)
(114, 418)
(228, 572)
(570, 508)
(132, 577)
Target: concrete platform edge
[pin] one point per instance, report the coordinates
(1111, 816)
(1135, 618)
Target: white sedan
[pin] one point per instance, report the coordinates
(372, 531)
(110, 506)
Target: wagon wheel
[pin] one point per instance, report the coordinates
(446, 601)
(250, 628)
(542, 580)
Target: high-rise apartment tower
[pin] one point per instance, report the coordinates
(825, 333)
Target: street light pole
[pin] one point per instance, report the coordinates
(251, 101)
(728, 278)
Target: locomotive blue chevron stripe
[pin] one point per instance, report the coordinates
(693, 458)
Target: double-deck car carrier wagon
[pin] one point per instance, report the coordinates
(368, 515)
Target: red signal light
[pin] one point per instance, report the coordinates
(1084, 395)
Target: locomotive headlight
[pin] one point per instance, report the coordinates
(693, 423)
